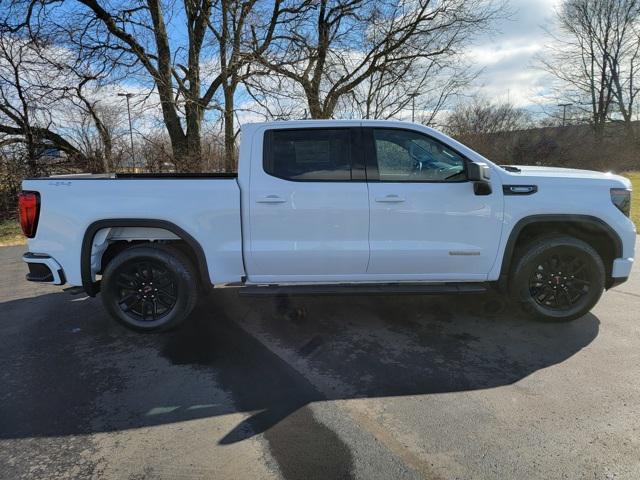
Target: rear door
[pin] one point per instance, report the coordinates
(308, 206)
(426, 221)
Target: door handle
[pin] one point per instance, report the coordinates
(392, 198)
(271, 199)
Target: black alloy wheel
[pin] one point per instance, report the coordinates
(557, 278)
(560, 281)
(149, 287)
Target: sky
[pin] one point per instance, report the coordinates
(508, 56)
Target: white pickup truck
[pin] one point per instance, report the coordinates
(324, 207)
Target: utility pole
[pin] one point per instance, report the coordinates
(128, 96)
(564, 112)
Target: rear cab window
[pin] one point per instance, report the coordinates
(310, 154)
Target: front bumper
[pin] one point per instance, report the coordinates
(620, 272)
(43, 269)
(622, 267)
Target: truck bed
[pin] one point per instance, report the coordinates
(205, 206)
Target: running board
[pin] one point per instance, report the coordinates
(364, 289)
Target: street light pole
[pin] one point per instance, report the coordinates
(413, 109)
(564, 112)
(128, 97)
(413, 106)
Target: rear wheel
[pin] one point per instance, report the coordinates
(149, 288)
(557, 278)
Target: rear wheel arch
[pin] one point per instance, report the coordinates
(592, 230)
(182, 239)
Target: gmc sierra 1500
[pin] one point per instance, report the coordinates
(330, 207)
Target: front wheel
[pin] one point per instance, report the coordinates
(557, 278)
(149, 287)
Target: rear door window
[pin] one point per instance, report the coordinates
(308, 154)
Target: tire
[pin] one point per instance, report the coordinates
(543, 291)
(131, 297)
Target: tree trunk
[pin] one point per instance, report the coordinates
(316, 109)
(229, 130)
(32, 155)
(187, 148)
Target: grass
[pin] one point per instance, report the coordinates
(10, 233)
(635, 197)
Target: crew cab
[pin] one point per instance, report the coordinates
(326, 207)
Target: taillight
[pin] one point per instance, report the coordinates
(621, 198)
(29, 210)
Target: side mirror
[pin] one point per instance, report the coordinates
(478, 172)
(480, 175)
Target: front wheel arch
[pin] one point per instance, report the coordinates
(592, 230)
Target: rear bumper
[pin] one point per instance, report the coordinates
(43, 269)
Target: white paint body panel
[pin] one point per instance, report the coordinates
(439, 232)
(318, 232)
(207, 209)
(326, 232)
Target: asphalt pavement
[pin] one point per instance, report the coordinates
(367, 387)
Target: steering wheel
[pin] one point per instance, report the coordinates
(420, 157)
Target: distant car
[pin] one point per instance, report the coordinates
(325, 207)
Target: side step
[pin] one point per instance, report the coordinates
(364, 289)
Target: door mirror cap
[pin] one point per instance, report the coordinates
(478, 172)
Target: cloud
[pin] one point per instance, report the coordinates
(508, 56)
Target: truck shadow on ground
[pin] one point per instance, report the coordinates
(69, 370)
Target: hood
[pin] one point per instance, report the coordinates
(568, 173)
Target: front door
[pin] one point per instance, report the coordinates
(308, 207)
(426, 221)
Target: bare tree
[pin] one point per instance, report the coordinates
(26, 101)
(423, 87)
(594, 57)
(189, 52)
(337, 45)
(97, 134)
(624, 59)
(242, 35)
(481, 117)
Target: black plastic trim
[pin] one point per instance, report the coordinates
(365, 289)
(526, 221)
(92, 288)
(615, 281)
(508, 189)
(35, 255)
(138, 176)
(358, 164)
(481, 188)
(162, 176)
(39, 272)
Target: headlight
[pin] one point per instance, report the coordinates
(621, 198)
